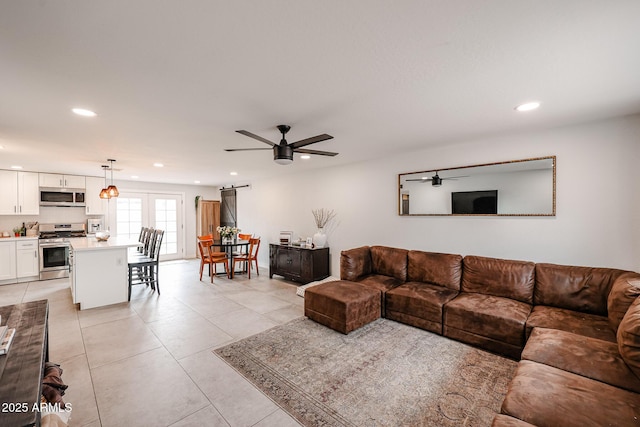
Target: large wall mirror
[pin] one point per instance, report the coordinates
(514, 188)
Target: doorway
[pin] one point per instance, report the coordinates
(133, 210)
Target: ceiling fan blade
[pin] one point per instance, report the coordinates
(456, 177)
(254, 136)
(421, 180)
(311, 140)
(246, 149)
(318, 152)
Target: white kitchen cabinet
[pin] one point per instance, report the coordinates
(28, 193)
(27, 261)
(20, 193)
(8, 262)
(53, 180)
(94, 204)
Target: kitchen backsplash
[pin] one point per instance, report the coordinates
(48, 215)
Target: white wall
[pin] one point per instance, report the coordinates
(596, 223)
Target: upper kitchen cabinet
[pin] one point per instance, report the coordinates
(53, 180)
(20, 193)
(94, 204)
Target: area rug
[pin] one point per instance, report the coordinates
(382, 374)
(300, 290)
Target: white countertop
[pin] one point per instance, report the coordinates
(12, 238)
(92, 244)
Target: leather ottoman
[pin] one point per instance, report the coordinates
(342, 305)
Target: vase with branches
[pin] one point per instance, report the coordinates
(322, 218)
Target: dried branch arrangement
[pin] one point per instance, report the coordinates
(323, 216)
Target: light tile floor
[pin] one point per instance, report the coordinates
(150, 362)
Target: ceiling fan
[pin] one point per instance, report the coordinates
(283, 152)
(435, 180)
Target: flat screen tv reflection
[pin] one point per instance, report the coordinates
(474, 202)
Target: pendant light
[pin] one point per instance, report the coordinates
(104, 193)
(112, 189)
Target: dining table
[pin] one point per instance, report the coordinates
(228, 247)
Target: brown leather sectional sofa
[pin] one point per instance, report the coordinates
(575, 330)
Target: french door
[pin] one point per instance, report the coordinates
(133, 210)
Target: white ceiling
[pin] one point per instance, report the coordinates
(171, 81)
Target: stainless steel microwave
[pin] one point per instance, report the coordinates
(57, 197)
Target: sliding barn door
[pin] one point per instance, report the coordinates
(228, 212)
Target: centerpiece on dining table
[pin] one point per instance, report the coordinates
(227, 233)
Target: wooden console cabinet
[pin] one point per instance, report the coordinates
(298, 264)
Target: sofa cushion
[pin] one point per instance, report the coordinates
(381, 283)
(377, 281)
(546, 396)
(624, 291)
(439, 269)
(589, 325)
(502, 420)
(418, 304)
(586, 356)
(501, 319)
(389, 262)
(355, 263)
(499, 277)
(629, 337)
(575, 288)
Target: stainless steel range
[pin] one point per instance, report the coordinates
(54, 248)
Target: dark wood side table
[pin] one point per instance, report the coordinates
(298, 264)
(21, 369)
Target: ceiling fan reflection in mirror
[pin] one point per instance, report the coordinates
(283, 152)
(435, 180)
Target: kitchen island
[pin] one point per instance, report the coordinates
(99, 271)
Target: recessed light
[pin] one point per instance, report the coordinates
(196, 182)
(158, 165)
(134, 177)
(1, 147)
(528, 106)
(305, 156)
(233, 173)
(83, 112)
(16, 167)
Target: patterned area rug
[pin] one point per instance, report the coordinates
(302, 288)
(382, 374)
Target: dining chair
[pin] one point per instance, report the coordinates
(242, 236)
(210, 257)
(143, 270)
(250, 256)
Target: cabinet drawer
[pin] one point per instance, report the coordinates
(29, 244)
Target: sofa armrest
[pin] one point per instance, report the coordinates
(355, 263)
(624, 291)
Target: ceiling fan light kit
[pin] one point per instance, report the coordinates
(283, 152)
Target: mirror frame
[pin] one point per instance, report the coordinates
(553, 213)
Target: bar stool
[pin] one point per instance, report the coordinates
(145, 268)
